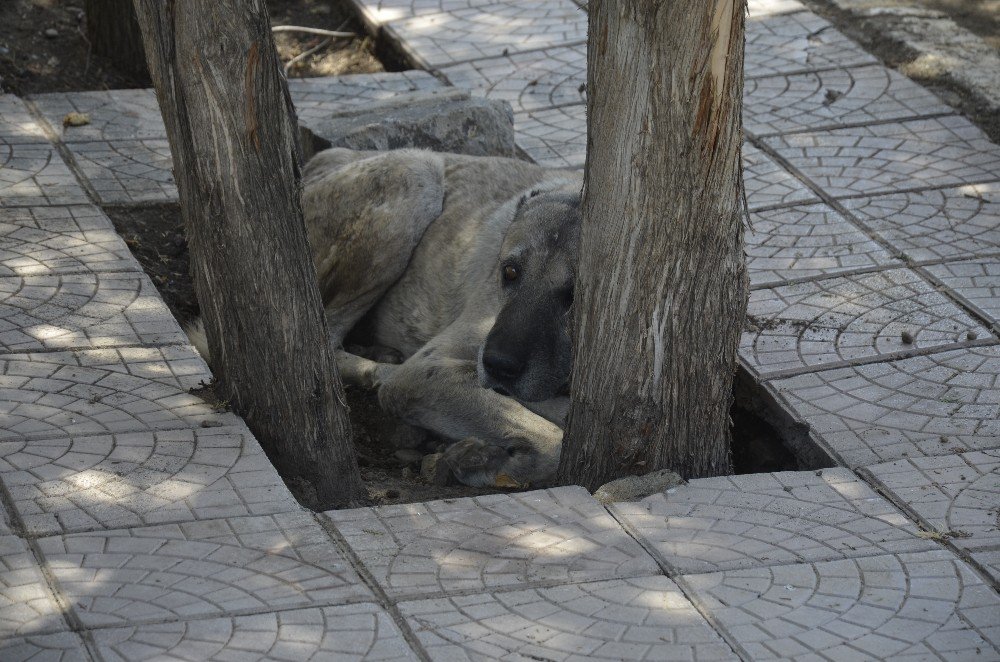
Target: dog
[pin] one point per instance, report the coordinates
(463, 269)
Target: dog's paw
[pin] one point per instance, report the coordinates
(479, 464)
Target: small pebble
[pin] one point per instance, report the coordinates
(971, 335)
(51, 33)
(906, 337)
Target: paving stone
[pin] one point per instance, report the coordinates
(346, 632)
(977, 281)
(849, 318)
(886, 411)
(527, 81)
(807, 241)
(126, 172)
(646, 618)
(491, 30)
(16, 123)
(501, 540)
(768, 184)
(798, 42)
(26, 604)
(379, 12)
(933, 225)
(34, 174)
(83, 311)
(36, 241)
(556, 137)
(208, 568)
(927, 605)
(317, 98)
(754, 520)
(956, 495)
(800, 102)
(90, 392)
(140, 478)
(114, 114)
(885, 158)
(764, 8)
(58, 647)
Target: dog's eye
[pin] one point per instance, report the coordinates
(511, 273)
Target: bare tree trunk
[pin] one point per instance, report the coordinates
(662, 285)
(114, 33)
(232, 133)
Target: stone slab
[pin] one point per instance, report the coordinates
(127, 172)
(768, 184)
(646, 618)
(343, 633)
(316, 98)
(489, 542)
(757, 520)
(798, 42)
(140, 478)
(921, 406)
(83, 311)
(847, 318)
(16, 123)
(379, 12)
(26, 605)
(764, 8)
(555, 137)
(208, 568)
(35, 174)
(58, 647)
(934, 225)
(834, 97)
(927, 605)
(93, 392)
(887, 158)
(976, 281)
(39, 241)
(114, 114)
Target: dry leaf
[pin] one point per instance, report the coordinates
(503, 480)
(76, 119)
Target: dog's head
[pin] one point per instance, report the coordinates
(527, 353)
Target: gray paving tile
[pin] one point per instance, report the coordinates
(35, 174)
(16, 123)
(954, 494)
(345, 632)
(140, 478)
(555, 137)
(886, 411)
(37, 241)
(114, 114)
(885, 158)
(316, 98)
(754, 520)
(125, 172)
(927, 605)
(26, 604)
(646, 618)
(847, 318)
(932, 225)
(800, 102)
(806, 241)
(798, 42)
(379, 12)
(83, 311)
(207, 568)
(768, 184)
(58, 647)
(527, 81)
(977, 281)
(68, 394)
(765, 8)
(501, 540)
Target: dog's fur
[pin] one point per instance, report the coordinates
(464, 266)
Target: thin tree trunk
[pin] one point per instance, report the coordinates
(114, 33)
(662, 285)
(232, 133)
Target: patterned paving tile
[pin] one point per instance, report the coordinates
(346, 632)
(114, 114)
(927, 605)
(799, 102)
(932, 225)
(977, 281)
(807, 241)
(764, 8)
(527, 81)
(140, 478)
(501, 540)
(954, 494)
(69, 394)
(646, 618)
(83, 311)
(125, 172)
(16, 123)
(34, 174)
(884, 158)
(886, 411)
(755, 520)
(316, 98)
(26, 605)
(389, 11)
(849, 318)
(798, 42)
(555, 138)
(58, 647)
(768, 184)
(36, 241)
(207, 568)
(492, 30)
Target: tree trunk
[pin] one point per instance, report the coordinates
(662, 288)
(232, 133)
(114, 33)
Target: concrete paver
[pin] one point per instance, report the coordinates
(16, 123)
(317, 98)
(35, 174)
(113, 114)
(554, 137)
(768, 184)
(975, 281)
(58, 647)
(127, 172)
(799, 42)
(26, 604)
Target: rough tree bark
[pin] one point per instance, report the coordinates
(662, 288)
(114, 33)
(232, 133)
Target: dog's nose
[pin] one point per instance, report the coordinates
(502, 367)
